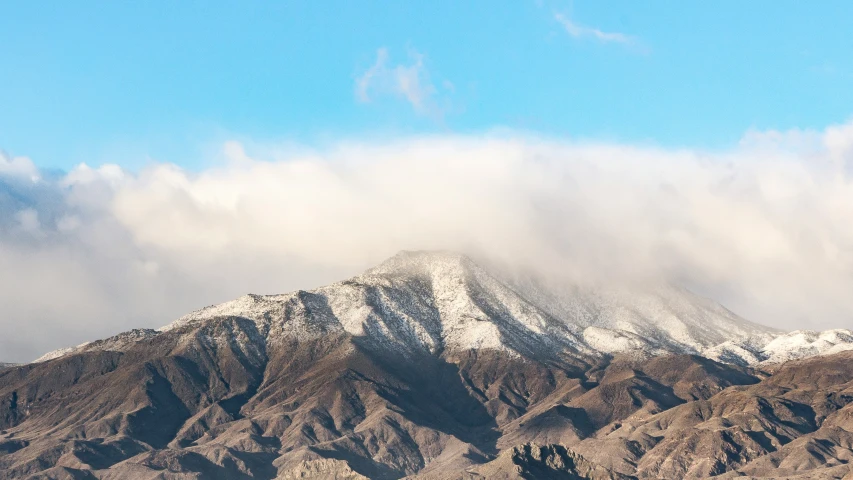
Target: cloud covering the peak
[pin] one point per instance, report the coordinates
(764, 227)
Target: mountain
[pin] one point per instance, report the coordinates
(432, 366)
(432, 301)
(437, 301)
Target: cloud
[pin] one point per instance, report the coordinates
(18, 167)
(764, 227)
(410, 82)
(371, 76)
(579, 31)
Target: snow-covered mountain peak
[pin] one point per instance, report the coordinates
(437, 300)
(426, 301)
(449, 301)
(436, 266)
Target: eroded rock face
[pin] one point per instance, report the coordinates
(542, 461)
(428, 368)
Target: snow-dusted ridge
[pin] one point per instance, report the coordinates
(440, 301)
(783, 348)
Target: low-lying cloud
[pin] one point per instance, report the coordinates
(764, 228)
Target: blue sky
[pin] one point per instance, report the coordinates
(135, 82)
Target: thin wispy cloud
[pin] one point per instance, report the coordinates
(376, 73)
(580, 31)
(407, 81)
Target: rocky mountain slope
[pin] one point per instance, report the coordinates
(430, 366)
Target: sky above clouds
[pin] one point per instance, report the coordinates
(161, 157)
(139, 82)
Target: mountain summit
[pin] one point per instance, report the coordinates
(431, 365)
(437, 301)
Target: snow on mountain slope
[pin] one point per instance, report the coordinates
(415, 302)
(658, 318)
(785, 347)
(60, 352)
(116, 343)
(806, 343)
(738, 353)
(437, 301)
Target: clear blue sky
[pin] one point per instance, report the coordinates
(108, 81)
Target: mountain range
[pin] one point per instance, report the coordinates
(432, 365)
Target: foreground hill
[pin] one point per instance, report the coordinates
(430, 366)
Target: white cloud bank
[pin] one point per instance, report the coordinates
(765, 228)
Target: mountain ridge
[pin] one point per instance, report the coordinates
(447, 300)
(432, 367)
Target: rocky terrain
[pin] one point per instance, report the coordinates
(431, 366)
